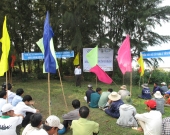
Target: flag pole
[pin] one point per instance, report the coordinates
(49, 100)
(7, 86)
(139, 82)
(130, 83)
(123, 78)
(96, 81)
(62, 89)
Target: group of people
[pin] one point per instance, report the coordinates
(119, 105)
(18, 112)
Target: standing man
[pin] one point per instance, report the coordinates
(77, 73)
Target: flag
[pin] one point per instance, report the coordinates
(92, 58)
(13, 60)
(124, 56)
(141, 64)
(41, 46)
(49, 53)
(101, 75)
(5, 40)
(76, 60)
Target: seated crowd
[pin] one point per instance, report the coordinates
(17, 112)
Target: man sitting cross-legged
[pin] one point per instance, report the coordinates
(150, 122)
(72, 115)
(82, 126)
(34, 128)
(25, 109)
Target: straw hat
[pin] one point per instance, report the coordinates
(145, 85)
(158, 94)
(114, 96)
(123, 87)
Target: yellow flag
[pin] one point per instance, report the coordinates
(141, 64)
(5, 40)
(76, 60)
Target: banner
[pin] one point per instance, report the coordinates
(156, 54)
(105, 59)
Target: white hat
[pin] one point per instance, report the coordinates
(163, 83)
(89, 85)
(158, 94)
(145, 85)
(53, 121)
(123, 87)
(114, 96)
(7, 107)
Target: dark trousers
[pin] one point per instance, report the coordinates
(78, 80)
(26, 119)
(67, 123)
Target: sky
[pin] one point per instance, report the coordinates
(163, 30)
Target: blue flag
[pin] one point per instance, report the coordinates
(49, 59)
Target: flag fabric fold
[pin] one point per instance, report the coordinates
(5, 40)
(49, 57)
(92, 58)
(13, 60)
(101, 75)
(141, 64)
(124, 56)
(76, 59)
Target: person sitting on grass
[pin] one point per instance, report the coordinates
(150, 122)
(88, 93)
(10, 94)
(3, 96)
(104, 98)
(17, 98)
(25, 108)
(9, 121)
(164, 87)
(123, 92)
(82, 126)
(34, 128)
(127, 114)
(53, 126)
(146, 94)
(116, 102)
(94, 99)
(157, 88)
(72, 115)
(160, 101)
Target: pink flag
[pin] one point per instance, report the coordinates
(124, 56)
(102, 76)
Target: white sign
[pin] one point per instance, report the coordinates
(105, 59)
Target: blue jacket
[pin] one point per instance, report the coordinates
(157, 88)
(146, 94)
(113, 111)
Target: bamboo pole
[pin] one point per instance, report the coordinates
(7, 86)
(96, 81)
(49, 100)
(130, 83)
(139, 82)
(62, 89)
(123, 78)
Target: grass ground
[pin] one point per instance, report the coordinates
(38, 89)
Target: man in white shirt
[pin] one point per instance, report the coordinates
(10, 94)
(77, 73)
(3, 96)
(150, 122)
(25, 109)
(18, 97)
(34, 128)
(9, 121)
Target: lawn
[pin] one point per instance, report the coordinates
(38, 89)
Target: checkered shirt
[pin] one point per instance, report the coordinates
(166, 126)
